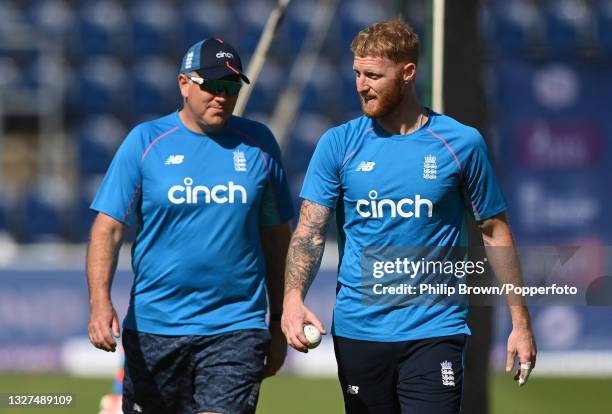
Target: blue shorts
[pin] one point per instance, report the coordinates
(423, 376)
(190, 374)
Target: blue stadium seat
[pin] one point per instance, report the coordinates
(604, 25)
(323, 91)
(54, 17)
(294, 28)
(350, 98)
(268, 87)
(251, 17)
(247, 39)
(97, 138)
(566, 22)
(308, 128)
(355, 15)
(10, 73)
(299, 152)
(516, 26)
(43, 211)
(83, 220)
(102, 83)
(3, 213)
(102, 27)
(202, 19)
(253, 13)
(88, 187)
(11, 16)
(261, 101)
(154, 86)
(154, 28)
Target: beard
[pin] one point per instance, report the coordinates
(385, 102)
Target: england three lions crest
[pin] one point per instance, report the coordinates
(448, 376)
(240, 161)
(430, 168)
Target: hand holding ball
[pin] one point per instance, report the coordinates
(313, 335)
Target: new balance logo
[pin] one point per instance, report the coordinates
(366, 166)
(220, 54)
(448, 376)
(175, 160)
(240, 162)
(352, 389)
(430, 168)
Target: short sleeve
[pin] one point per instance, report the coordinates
(119, 192)
(322, 181)
(482, 187)
(276, 203)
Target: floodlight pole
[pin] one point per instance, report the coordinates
(260, 54)
(437, 87)
(288, 104)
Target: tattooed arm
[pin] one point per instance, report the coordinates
(303, 261)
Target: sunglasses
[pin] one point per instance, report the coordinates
(216, 87)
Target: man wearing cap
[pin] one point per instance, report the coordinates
(212, 205)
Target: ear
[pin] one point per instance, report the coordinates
(183, 83)
(408, 72)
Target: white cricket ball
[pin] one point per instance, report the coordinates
(313, 335)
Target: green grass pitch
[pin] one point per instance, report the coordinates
(297, 395)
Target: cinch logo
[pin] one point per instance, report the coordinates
(221, 54)
(373, 208)
(219, 194)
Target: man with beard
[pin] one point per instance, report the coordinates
(400, 175)
(211, 200)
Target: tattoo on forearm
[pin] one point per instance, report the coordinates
(306, 248)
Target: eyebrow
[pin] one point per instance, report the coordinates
(368, 72)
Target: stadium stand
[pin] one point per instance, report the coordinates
(119, 60)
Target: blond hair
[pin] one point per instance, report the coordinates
(393, 39)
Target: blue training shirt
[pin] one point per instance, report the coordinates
(395, 191)
(198, 201)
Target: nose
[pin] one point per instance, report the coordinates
(222, 95)
(362, 85)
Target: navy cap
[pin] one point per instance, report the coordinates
(213, 58)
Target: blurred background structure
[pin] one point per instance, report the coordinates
(76, 76)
